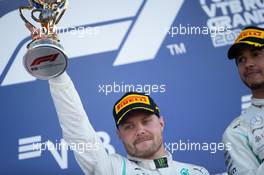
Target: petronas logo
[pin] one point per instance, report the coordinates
(184, 171)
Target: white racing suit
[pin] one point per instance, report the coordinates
(246, 138)
(77, 129)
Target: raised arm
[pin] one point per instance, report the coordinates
(76, 127)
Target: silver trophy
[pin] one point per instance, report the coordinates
(45, 57)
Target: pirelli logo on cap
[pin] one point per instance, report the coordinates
(130, 99)
(250, 33)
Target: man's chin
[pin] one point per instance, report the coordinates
(254, 85)
(145, 145)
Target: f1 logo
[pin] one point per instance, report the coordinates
(40, 60)
(135, 29)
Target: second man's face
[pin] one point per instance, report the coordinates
(250, 62)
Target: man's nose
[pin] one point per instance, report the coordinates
(249, 63)
(140, 129)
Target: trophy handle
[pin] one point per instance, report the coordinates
(23, 17)
(33, 16)
(62, 7)
(58, 19)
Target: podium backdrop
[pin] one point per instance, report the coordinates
(166, 48)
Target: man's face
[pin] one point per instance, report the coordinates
(250, 62)
(141, 134)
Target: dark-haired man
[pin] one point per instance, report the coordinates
(246, 133)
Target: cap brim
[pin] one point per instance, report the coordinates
(122, 118)
(233, 50)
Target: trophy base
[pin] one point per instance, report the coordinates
(45, 59)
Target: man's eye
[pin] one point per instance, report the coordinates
(128, 127)
(256, 53)
(240, 60)
(146, 121)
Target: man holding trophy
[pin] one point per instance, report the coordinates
(139, 124)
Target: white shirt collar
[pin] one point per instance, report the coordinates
(258, 102)
(149, 164)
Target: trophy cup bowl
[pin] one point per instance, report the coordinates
(45, 57)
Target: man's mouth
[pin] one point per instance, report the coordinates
(142, 139)
(252, 72)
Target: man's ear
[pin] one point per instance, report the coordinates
(118, 133)
(162, 123)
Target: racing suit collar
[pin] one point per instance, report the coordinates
(258, 102)
(149, 164)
